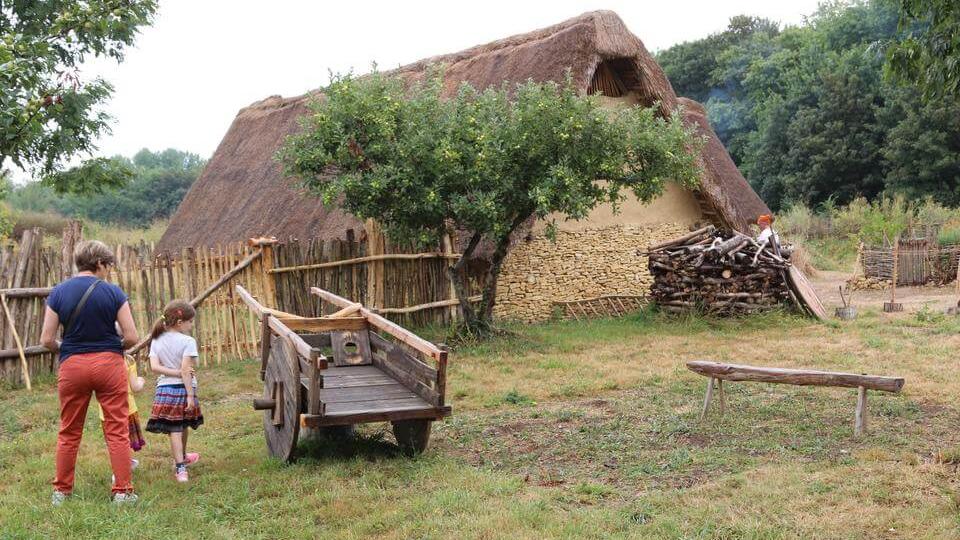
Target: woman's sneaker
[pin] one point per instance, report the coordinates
(58, 498)
(190, 458)
(180, 473)
(120, 499)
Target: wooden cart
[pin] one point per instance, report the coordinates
(351, 367)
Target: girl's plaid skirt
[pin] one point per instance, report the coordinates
(169, 413)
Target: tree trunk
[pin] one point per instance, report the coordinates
(490, 287)
(458, 276)
(478, 321)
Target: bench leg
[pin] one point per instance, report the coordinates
(707, 399)
(860, 417)
(723, 397)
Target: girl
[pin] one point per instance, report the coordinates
(135, 383)
(175, 407)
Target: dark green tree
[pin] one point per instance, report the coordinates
(922, 148)
(482, 162)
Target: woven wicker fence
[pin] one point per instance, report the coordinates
(919, 262)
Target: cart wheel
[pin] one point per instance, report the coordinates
(281, 401)
(412, 435)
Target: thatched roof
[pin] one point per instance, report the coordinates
(721, 182)
(241, 192)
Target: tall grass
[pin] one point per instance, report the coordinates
(831, 233)
(113, 234)
(53, 225)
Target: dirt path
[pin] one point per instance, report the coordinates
(913, 298)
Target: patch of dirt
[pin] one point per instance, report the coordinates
(827, 284)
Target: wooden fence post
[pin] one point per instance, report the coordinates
(265, 244)
(72, 234)
(451, 289)
(375, 277)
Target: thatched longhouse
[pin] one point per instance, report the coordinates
(242, 192)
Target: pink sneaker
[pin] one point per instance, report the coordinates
(182, 476)
(191, 457)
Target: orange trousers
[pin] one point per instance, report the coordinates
(105, 374)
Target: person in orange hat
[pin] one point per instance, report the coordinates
(767, 237)
(765, 222)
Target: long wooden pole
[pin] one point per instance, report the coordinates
(421, 307)
(16, 338)
(27, 292)
(209, 290)
(367, 258)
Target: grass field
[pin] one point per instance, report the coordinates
(567, 430)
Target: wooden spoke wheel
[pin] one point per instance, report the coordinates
(412, 435)
(281, 400)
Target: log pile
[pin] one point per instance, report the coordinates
(718, 274)
(863, 283)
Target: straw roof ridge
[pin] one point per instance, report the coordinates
(242, 191)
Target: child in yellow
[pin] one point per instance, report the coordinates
(135, 383)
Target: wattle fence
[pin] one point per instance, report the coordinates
(919, 262)
(411, 288)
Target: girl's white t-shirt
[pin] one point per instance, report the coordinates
(169, 349)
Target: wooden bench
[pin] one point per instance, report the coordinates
(718, 372)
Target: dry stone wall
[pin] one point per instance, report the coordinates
(580, 264)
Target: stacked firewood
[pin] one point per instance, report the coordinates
(718, 273)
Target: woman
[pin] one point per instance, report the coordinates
(91, 360)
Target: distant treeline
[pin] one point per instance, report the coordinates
(809, 115)
(160, 181)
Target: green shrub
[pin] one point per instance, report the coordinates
(949, 236)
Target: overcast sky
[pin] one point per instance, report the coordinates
(203, 60)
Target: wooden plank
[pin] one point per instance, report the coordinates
(365, 393)
(307, 420)
(380, 405)
(393, 353)
(800, 377)
(350, 348)
(382, 380)
(805, 292)
(387, 326)
(325, 324)
(426, 389)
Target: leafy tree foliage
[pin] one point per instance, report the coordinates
(47, 114)
(158, 182)
(929, 52)
(808, 116)
(482, 162)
